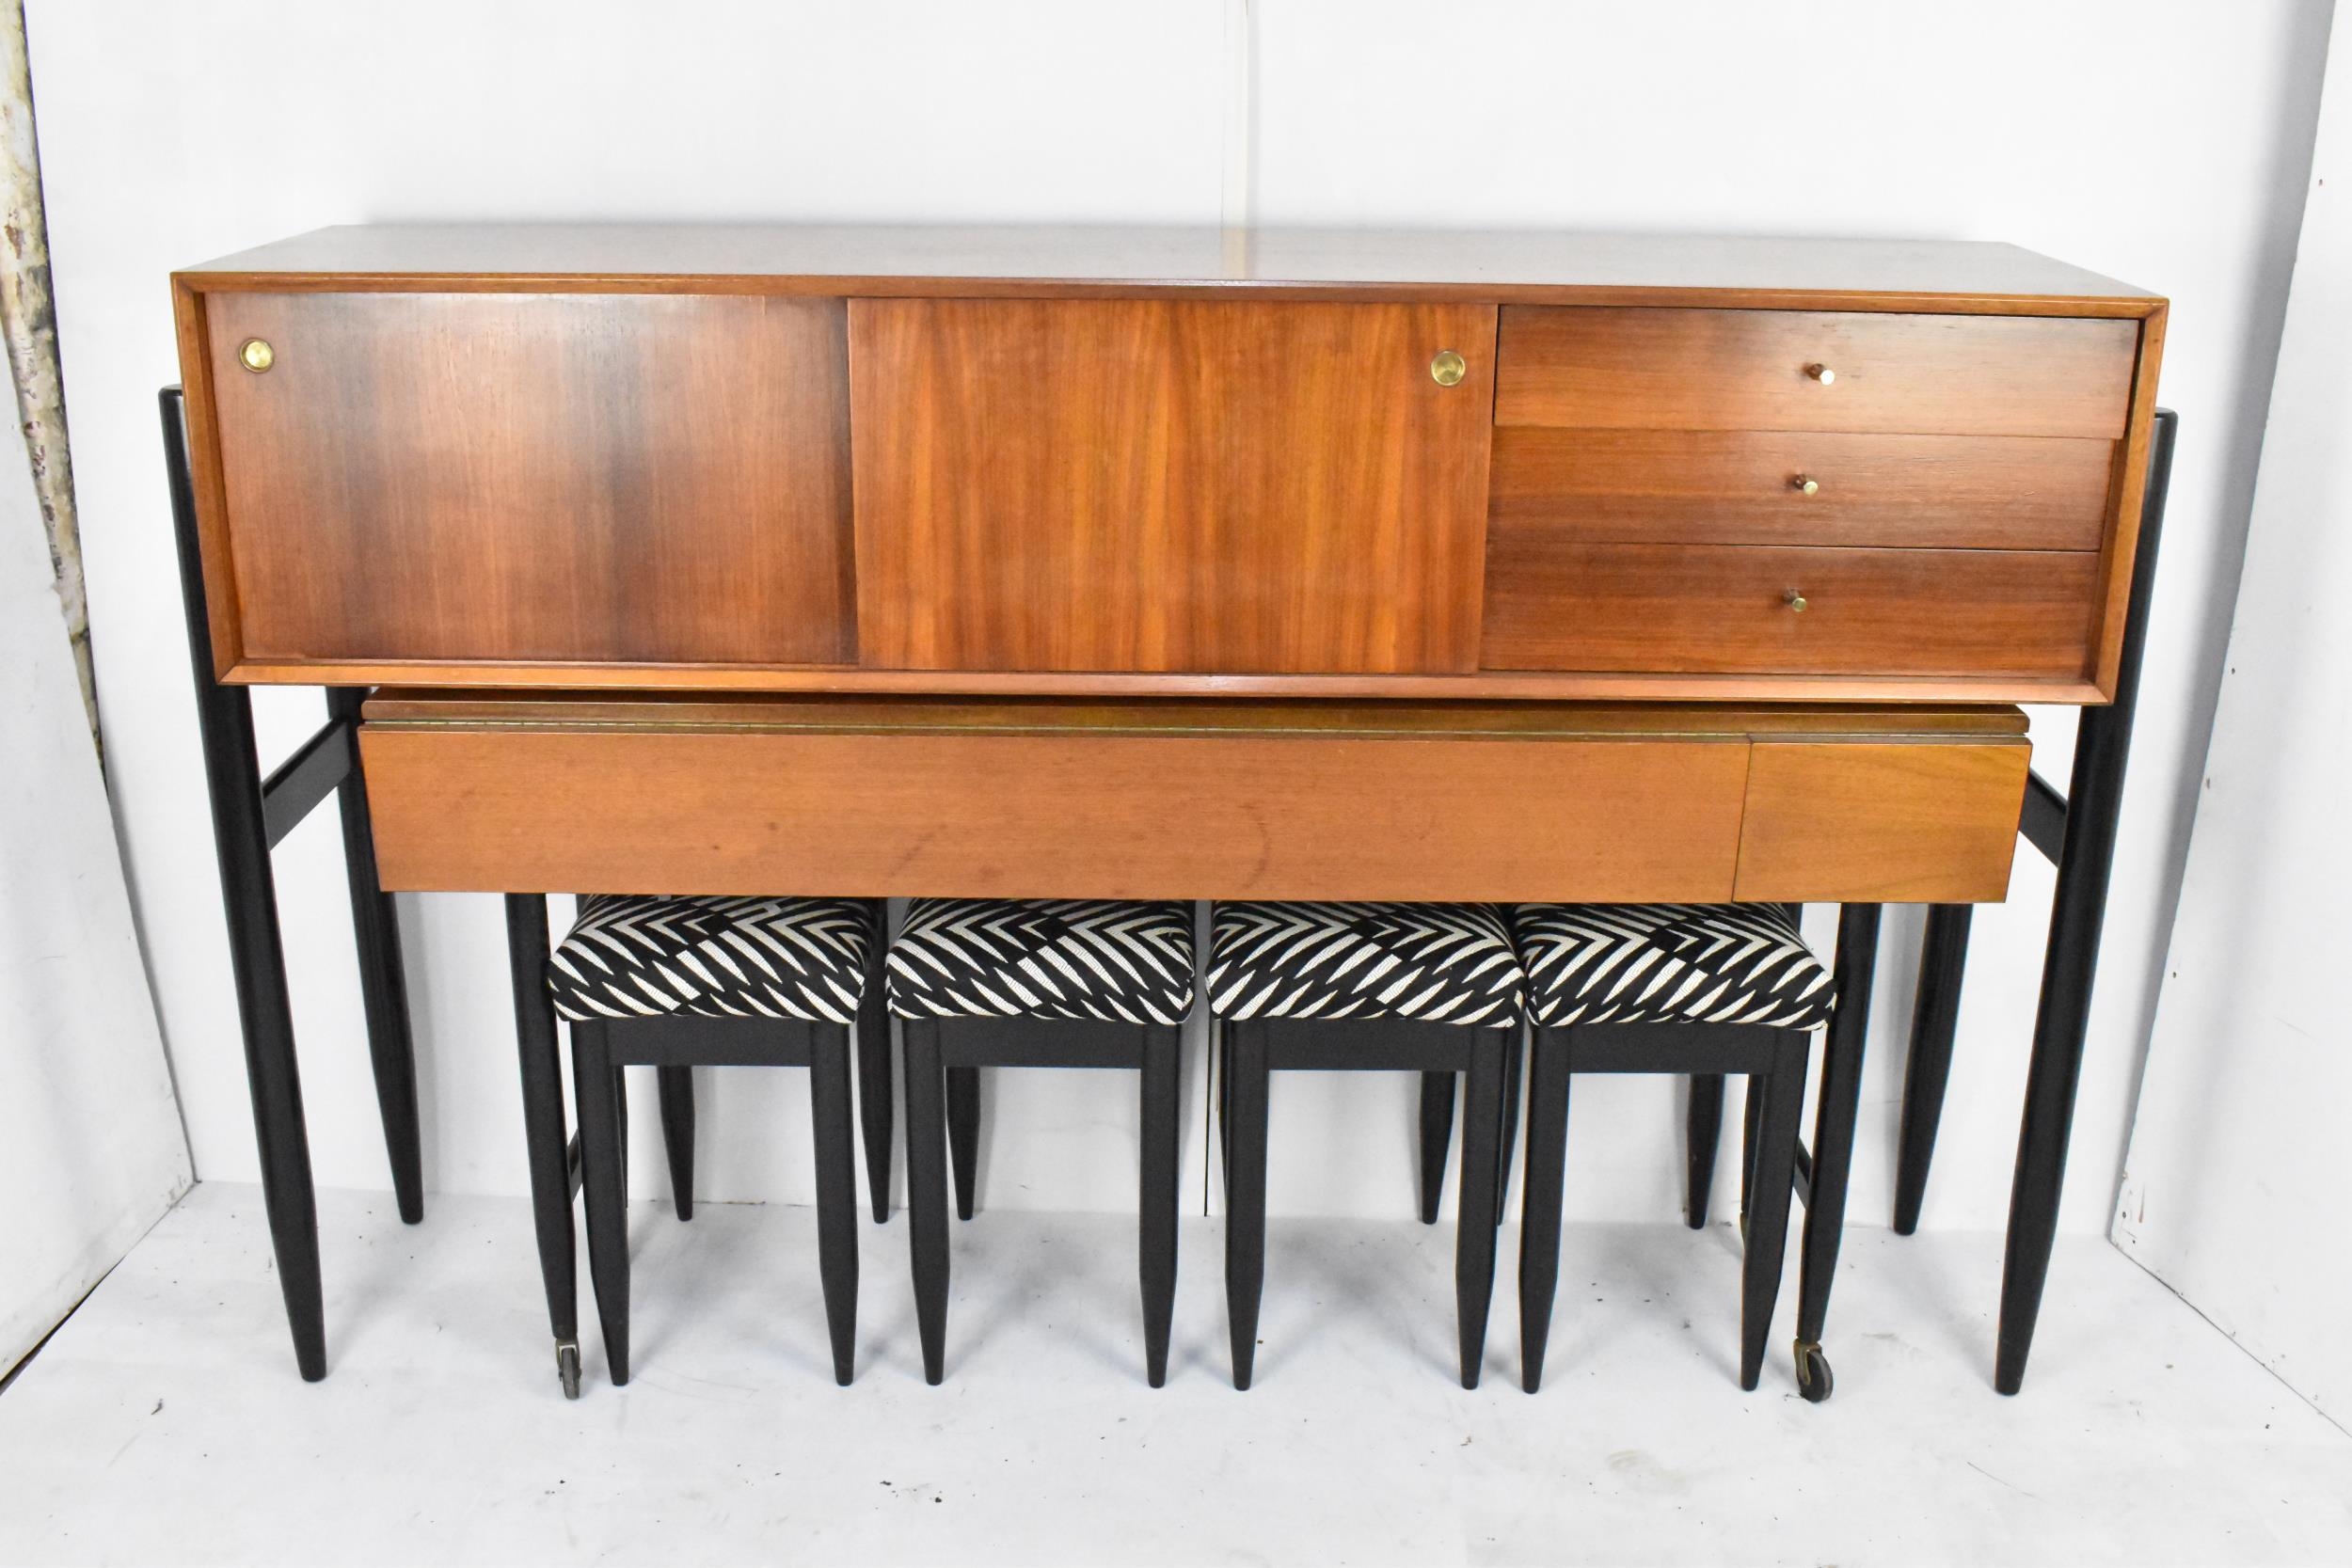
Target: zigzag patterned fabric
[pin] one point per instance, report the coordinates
(1075, 960)
(1438, 963)
(631, 956)
(1669, 964)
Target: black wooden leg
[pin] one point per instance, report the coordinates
(383, 983)
(1437, 1139)
(543, 1127)
(875, 1115)
(927, 1191)
(1163, 1051)
(1482, 1179)
(964, 1135)
(676, 1090)
(837, 1190)
(1934, 1022)
(1834, 1119)
(1514, 1072)
(1751, 1114)
(1245, 1193)
(597, 1092)
(1781, 1091)
(1540, 1190)
(1704, 1131)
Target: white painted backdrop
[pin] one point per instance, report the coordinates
(2162, 143)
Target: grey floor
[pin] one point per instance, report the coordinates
(165, 1422)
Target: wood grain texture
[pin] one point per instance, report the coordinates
(197, 409)
(1159, 485)
(1698, 608)
(1743, 488)
(2122, 549)
(477, 477)
(1876, 823)
(1746, 370)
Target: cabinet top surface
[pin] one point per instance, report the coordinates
(1492, 264)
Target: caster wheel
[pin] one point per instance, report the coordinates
(567, 1367)
(1814, 1382)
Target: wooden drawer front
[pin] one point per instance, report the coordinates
(1553, 605)
(1162, 485)
(1747, 488)
(634, 477)
(1881, 824)
(1746, 370)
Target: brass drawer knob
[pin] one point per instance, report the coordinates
(1805, 485)
(257, 355)
(1448, 368)
(1822, 374)
(1795, 601)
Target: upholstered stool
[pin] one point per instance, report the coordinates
(1427, 988)
(678, 983)
(1037, 983)
(1666, 988)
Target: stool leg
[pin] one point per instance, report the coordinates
(1704, 1131)
(1834, 1117)
(597, 1090)
(1752, 1112)
(1513, 1072)
(676, 1087)
(1156, 1212)
(927, 1192)
(1481, 1175)
(875, 1118)
(963, 1134)
(1781, 1092)
(1245, 1193)
(837, 1190)
(1540, 1199)
(543, 1127)
(1437, 1139)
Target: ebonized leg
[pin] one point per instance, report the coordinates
(1834, 1120)
(875, 1116)
(1751, 1114)
(1481, 1179)
(676, 1088)
(1541, 1194)
(597, 1090)
(1156, 1212)
(382, 982)
(1245, 1192)
(542, 1126)
(1437, 1139)
(1514, 1072)
(1781, 1092)
(964, 1135)
(1934, 1022)
(1704, 1131)
(837, 1190)
(927, 1191)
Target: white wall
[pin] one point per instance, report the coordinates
(2152, 141)
(2233, 1190)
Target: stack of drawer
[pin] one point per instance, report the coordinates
(1760, 492)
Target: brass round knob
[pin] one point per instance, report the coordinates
(257, 355)
(1805, 485)
(1795, 601)
(1448, 368)
(1822, 374)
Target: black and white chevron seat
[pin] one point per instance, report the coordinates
(1074, 959)
(1438, 963)
(1669, 964)
(633, 956)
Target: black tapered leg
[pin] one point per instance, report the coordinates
(596, 1091)
(544, 1138)
(256, 956)
(1781, 1092)
(1245, 1192)
(875, 1116)
(1481, 1180)
(1540, 1195)
(964, 1135)
(1513, 1072)
(383, 981)
(837, 1190)
(676, 1086)
(1437, 1139)
(1934, 1023)
(1834, 1118)
(1703, 1132)
(927, 1191)
(1156, 1212)
(1751, 1116)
